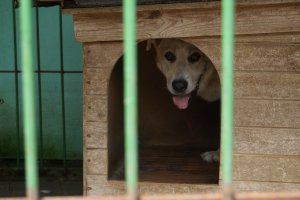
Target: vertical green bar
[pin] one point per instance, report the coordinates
(227, 90)
(27, 63)
(130, 97)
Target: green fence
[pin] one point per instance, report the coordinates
(130, 98)
(58, 85)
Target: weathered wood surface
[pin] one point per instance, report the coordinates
(188, 22)
(98, 184)
(95, 135)
(255, 56)
(253, 85)
(265, 186)
(247, 140)
(270, 53)
(266, 141)
(96, 161)
(197, 196)
(101, 54)
(247, 167)
(176, 6)
(267, 113)
(248, 112)
(96, 80)
(160, 165)
(267, 85)
(267, 168)
(95, 108)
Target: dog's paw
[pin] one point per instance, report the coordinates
(211, 156)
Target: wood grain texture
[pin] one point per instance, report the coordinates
(98, 185)
(96, 80)
(196, 196)
(96, 161)
(175, 6)
(188, 22)
(263, 85)
(255, 56)
(101, 54)
(250, 186)
(267, 113)
(248, 112)
(266, 141)
(266, 168)
(95, 108)
(271, 38)
(95, 134)
(267, 85)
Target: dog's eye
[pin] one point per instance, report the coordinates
(170, 56)
(194, 57)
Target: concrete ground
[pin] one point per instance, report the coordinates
(53, 181)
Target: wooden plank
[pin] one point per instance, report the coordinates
(219, 196)
(267, 141)
(266, 168)
(256, 56)
(98, 185)
(96, 80)
(101, 54)
(188, 22)
(272, 38)
(264, 85)
(95, 134)
(250, 186)
(248, 112)
(197, 196)
(96, 161)
(176, 6)
(267, 85)
(111, 3)
(95, 108)
(267, 113)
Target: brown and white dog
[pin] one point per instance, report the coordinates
(187, 70)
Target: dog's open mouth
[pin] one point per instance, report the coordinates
(181, 101)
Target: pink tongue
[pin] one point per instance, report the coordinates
(181, 102)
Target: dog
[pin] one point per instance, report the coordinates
(187, 71)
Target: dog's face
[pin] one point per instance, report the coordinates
(183, 65)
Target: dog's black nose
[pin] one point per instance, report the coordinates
(179, 85)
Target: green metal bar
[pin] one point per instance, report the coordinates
(62, 86)
(227, 91)
(27, 63)
(130, 97)
(17, 90)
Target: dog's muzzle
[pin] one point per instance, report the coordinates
(180, 85)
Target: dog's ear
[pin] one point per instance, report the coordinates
(154, 42)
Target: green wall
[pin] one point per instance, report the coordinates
(59, 95)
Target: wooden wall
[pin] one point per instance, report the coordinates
(267, 82)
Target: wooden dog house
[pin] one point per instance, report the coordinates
(267, 98)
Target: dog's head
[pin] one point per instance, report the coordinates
(182, 64)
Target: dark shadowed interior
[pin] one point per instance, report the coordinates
(170, 140)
